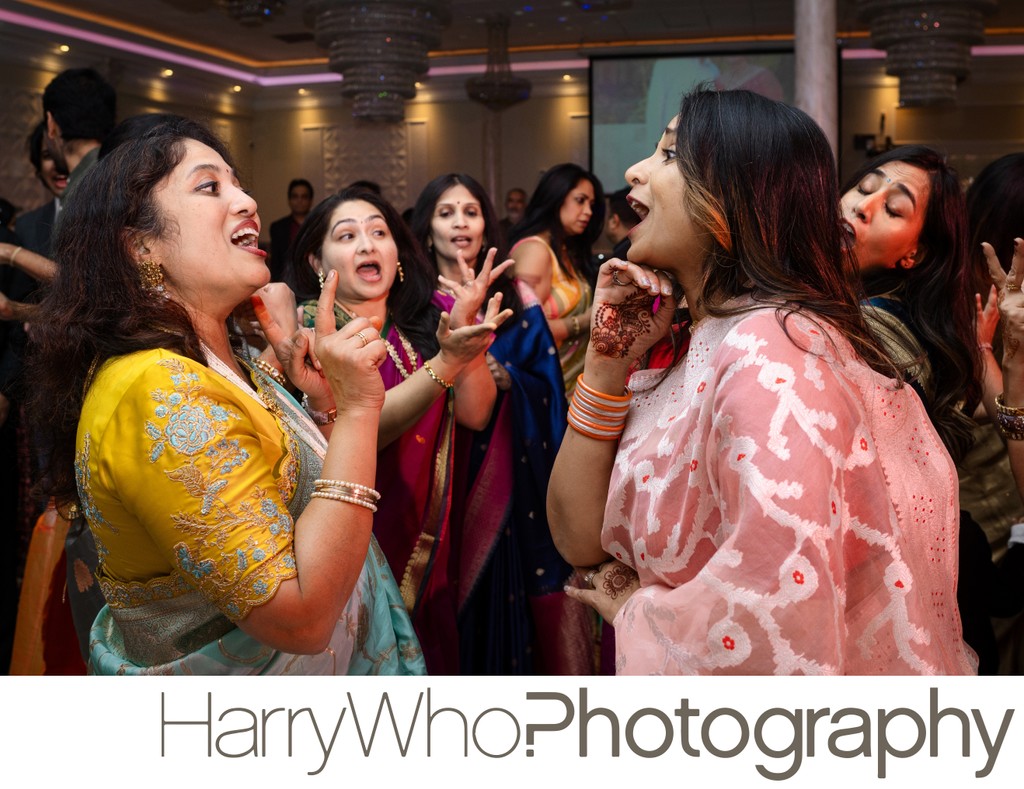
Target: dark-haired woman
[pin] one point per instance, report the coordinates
(514, 617)
(435, 375)
(763, 510)
(551, 246)
(234, 535)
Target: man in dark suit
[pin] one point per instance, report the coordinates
(284, 230)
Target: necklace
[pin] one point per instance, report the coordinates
(393, 352)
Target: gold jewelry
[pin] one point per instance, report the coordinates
(401, 274)
(575, 326)
(320, 278)
(409, 351)
(14, 254)
(362, 337)
(320, 418)
(329, 494)
(151, 276)
(1010, 288)
(437, 378)
(327, 484)
(270, 370)
(1009, 420)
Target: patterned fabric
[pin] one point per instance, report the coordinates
(570, 296)
(788, 512)
(191, 485)
(514, 617)
(415, 477)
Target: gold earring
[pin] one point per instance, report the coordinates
(151, 276)
(401, 274)
(320, 278)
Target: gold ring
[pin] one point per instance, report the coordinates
(362, 337)
(615, 278)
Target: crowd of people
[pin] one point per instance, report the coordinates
(775, 431)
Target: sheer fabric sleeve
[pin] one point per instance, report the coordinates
(789, 553)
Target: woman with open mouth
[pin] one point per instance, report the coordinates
(436, 377)
(514, 617)
(775, 501)
(234, 534)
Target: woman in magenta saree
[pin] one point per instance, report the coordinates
(435, 376)
(513, 616)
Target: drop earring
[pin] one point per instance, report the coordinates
(320, 278)
(151, 276)
(401, 274)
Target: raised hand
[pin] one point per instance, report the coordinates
(471, 290)
(461, 345)
(348, 357)
(1011, 300)
(626, 319)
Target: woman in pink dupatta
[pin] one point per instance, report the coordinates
(435, 375)
(776, 502)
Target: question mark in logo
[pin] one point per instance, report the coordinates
(531, 728)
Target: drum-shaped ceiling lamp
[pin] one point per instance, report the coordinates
(927, 43)
(379, 48)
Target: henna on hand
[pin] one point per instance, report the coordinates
(617, 326)
(619, 580)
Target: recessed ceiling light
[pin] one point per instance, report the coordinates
(237, 88)
(303, 91)
(567, 77)
(167, 72)
(64, 48)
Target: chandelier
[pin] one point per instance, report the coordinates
(927, 43)
(379, 48)
(498, 88)
(251, 13)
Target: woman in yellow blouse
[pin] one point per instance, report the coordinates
(233, 529)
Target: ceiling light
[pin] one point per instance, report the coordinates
(167, 72)
(498, 88)
(64, 48)
(237, 88)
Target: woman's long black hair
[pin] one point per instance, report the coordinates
(423, 214)
(409, 300)
(938, 294)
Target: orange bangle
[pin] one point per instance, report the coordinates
(623, 398)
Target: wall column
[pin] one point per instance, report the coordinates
(817, 82)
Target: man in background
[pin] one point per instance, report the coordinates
(621, 219)
(515, 208)
(80, 109)
(283, 231)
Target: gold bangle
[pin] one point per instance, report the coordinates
(14, 254)
(437, 378)
(575, 326)
(1005, 409)
(319, 418)
(323, 494)
(326, 484)
(272, 371)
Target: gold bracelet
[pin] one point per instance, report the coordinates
(272, 371)
(575, 326)
(320, 418)
(1009, 420)
(437, 378)
(323, 494)
(325, 484)
(14, 254)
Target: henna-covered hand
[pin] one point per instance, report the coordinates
(612, 585)
(633, 308)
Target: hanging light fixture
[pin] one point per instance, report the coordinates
(927, 43)
(379, 48)
(252, 13)
(498, 88)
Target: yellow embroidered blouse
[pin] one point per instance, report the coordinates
(185, 482)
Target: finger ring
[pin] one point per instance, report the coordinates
(616, 280)
(1010, 286)
(588, 579)
(362, 337)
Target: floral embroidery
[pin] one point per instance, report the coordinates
(86, 501)
(187, 424)
(798, 577)
(728, 643)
